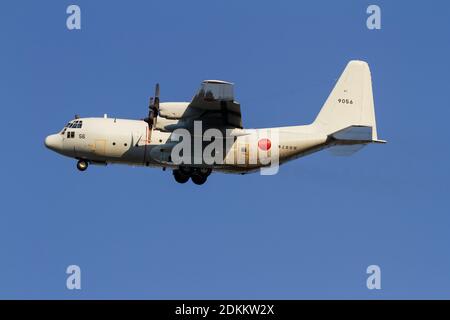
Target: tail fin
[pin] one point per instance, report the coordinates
(350, 103)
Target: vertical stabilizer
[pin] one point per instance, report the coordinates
(350, 103)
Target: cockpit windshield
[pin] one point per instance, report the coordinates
(74, 124)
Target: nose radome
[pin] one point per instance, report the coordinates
(53, 142)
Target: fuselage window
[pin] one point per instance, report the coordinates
(68, 134)
(72, 134)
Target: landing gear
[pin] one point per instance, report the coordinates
(82, 165)
(197, 175)
(180, 177)
(198, 178)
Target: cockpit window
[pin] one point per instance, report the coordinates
(78, 124)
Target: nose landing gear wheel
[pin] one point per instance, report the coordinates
(82, 165)
(180, 177)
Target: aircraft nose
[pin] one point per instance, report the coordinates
(53, 142)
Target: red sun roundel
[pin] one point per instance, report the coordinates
(264, 144)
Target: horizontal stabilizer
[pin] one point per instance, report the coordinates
(360, 133)
(351, 140)
(379, 141)
(346, 150)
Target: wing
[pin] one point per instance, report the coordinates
(213, 105)
(216, 106)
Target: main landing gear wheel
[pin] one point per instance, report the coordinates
(180, 177)
(199, 179)
(197, 175)
(82, 165)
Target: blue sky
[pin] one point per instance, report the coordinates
(308, 232)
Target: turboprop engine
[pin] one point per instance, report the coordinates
(173, 110)
(169, 125)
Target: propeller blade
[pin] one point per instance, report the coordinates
(156, 101)
(157, 91)
(149, 118)
(156, 104)
(153, 108)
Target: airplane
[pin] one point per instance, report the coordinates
(345, 124)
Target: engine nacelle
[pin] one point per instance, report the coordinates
(173, 110)
(169, 125)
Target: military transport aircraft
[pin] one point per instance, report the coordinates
(346, 123)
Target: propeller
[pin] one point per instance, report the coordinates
(153, 108)
(156, 104)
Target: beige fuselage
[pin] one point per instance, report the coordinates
(111, 140)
